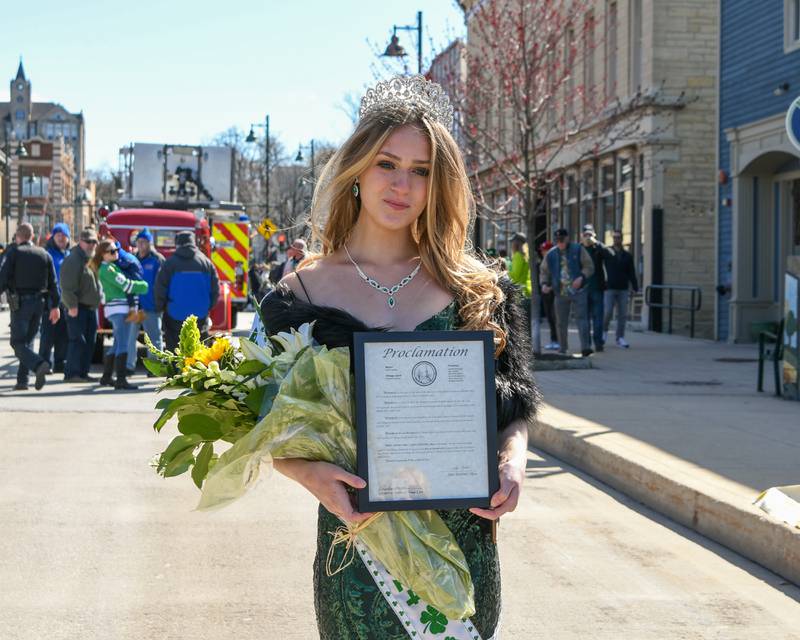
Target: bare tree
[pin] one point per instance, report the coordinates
(107, 184)
(350, 105)
(250, 168)
(539, 94)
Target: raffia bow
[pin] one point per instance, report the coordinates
(346, 535)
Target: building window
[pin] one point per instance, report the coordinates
(611, 49)
(36, 150)
(32, 129)
(587, 196)
(20, 115)
(588, 58)
(791, 25)
(35, 186)
(552, 86)
(624, 218)
(19, 98)
(569, 69)
(636, 45)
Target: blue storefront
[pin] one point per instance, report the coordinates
(759, 191)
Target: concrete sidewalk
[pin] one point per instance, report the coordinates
(678, 425)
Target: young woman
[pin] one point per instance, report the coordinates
(394, 205)
(116, 289)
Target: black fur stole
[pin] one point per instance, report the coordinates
(517, 396)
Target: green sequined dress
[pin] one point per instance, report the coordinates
(349, 606)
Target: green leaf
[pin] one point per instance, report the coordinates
(155, 367)
(200, 469)
(255, 398)
(201, 424)
(250, 367)
(164, 403)
(178, 445)
(180, 463)
(260, 400)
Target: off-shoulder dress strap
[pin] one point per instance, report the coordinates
(300, 279)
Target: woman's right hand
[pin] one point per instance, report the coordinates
(328, 483)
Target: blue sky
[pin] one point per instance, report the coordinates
(179, 72)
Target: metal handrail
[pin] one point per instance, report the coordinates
(696, 301)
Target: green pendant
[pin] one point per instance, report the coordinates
(391, 301)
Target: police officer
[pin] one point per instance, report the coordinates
(30, 278)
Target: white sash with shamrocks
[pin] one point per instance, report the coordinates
(420, 619)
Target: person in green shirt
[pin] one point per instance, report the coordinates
(116, 289)
(520, 271)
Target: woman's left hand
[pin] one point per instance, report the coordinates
(506, 498)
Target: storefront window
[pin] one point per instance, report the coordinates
(624, 215)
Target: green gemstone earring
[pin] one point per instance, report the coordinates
(355, 188)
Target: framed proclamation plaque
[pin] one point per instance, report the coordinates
(426, 419)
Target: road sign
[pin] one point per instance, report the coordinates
(267, 228)
(793, 123)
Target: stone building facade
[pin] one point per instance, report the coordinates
(644, 161)
(42, 184)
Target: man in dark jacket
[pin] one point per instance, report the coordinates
(151, 261)
(30, 278)
(80, 291)
(187, 284)
(621, 276)
(53, 337)
(595, 285)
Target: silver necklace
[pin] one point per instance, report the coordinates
(389, 291)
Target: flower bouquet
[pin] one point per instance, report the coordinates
(291, 398)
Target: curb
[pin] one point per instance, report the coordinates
(740, 527)
(548, 362)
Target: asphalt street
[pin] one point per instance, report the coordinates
(95, 545)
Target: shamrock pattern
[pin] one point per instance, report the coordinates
(434, 620)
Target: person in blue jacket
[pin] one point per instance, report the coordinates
(53, 338)
(187, 284)
(151, 261)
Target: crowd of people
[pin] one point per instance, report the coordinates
(55, 292)
(586, 280)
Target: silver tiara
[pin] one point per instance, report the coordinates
(413, 91)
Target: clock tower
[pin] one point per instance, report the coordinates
(20, 106)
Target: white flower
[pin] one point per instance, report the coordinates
(252, 351)
(294, 342)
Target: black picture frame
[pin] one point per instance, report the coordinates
(360, 339)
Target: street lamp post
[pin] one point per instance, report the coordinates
(251, 137)
(395, 50)
(19, 152)
(299, 158)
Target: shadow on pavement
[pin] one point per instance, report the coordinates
(692, 399)
(555, 466)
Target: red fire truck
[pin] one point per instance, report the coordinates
(220, 235)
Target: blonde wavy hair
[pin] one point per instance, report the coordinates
(441, 231)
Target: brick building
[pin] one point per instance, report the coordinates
(41, 186)
(656, 181)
